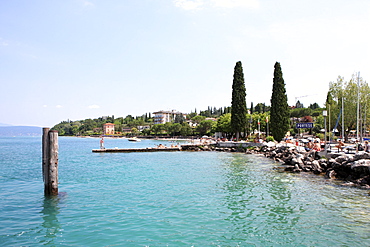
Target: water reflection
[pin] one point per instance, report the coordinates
(254, 193)
(239, 199)
(51, 223)
(280, 211)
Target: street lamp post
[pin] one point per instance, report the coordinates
(325, 114)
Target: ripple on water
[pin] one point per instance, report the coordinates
(176, 199)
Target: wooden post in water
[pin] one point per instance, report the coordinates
(50, 161)
(45, 155)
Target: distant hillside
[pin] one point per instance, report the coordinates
(20, 131)
(3, 124)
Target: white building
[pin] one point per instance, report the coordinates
(161, 117)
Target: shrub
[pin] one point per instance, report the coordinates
(270, 139)
(320, 135)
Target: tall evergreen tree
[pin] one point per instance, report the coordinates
(279, 112)
(238, 104)
(252, 108)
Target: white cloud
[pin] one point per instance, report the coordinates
(58, 106)
(189, 4)
(87, 3)
(236, 3)
(44, 106)
(93, 107)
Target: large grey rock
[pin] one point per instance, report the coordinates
(361, 166)
(330, 173)
(343, 159)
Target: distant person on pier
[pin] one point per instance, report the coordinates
(102, 143)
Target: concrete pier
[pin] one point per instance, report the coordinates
(135, 150)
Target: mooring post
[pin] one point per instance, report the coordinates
(50, 161)
(45, 154)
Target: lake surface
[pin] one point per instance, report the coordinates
(170, 199)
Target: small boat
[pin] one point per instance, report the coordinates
(134, 139)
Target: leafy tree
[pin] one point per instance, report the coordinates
(167, 127)
(179, 118)
(300, 112)
(319, 125)
(205, 127)
(191, 115)
(205, 113)
(118, 124)
(186, 130)
(175, 128)
(227, 109)
(128, 119)
(317, 112)
(279, 112)
(74, 130)
(157, 128)
(314, 106)
(260, 108)
(224, 125)
(197, 119)
(134, 130)
(238, 104)
(254, 119)
(347, 91)
(146, 131)
(61, 132)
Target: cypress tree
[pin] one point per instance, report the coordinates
(279, 111)
(238, 104)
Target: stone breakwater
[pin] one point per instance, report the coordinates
(354, 169)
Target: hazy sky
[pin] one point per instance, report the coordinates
(77, 59)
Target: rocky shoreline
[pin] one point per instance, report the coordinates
(353, 169)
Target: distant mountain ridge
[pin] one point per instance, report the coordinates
(3, 124)
(20, 130)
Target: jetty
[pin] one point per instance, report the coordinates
(224, 146)
(136, 150)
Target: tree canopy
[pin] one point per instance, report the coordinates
(238, 104)
(347, 91)
(279, 111)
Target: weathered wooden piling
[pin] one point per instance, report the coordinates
(50, 161)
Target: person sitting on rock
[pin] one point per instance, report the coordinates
(317, 146)
(309, 145)
(367, 147)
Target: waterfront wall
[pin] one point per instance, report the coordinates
(238, 144)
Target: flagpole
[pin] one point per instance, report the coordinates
(358, 106)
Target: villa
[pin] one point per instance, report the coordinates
(108, 129)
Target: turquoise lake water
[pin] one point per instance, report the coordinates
(170, 199)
